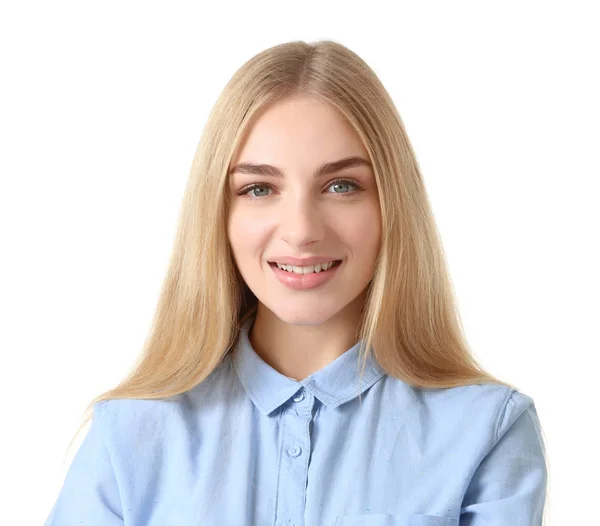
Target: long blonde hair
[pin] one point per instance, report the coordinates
(410, 321)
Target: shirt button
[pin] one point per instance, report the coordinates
(294, 451)
(299, 397)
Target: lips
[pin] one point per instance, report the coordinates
(302, 262)
(335, 264)
(309, 281)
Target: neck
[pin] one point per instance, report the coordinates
(297, 351)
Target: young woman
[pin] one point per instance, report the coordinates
(306, 365)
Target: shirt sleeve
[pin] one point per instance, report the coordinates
(89, 494)
(509, 486)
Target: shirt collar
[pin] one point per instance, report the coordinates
(336, 383)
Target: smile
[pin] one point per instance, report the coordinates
(306, 278)
(308, 269)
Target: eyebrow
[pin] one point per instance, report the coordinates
(273, 171)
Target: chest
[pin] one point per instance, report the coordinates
(307, 465)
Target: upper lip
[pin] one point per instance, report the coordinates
(304, 262)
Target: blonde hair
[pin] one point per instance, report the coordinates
(410, 322)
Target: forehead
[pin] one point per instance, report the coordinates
(299, 130)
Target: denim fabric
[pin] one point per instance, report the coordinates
(250, 446)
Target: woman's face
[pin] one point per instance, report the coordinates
(286, 208)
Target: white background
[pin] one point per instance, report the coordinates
(102, 105)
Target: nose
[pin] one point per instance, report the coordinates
(300, 222)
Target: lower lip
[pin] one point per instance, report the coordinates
(304, 281)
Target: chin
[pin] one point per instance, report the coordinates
(307, 315)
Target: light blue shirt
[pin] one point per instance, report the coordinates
(250, 446)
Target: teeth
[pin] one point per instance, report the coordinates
(306, 270)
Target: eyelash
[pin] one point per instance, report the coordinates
(244, 192)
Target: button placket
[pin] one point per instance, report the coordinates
(295, 451)
(295, 454)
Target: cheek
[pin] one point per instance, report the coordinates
(362, 232)
(245, 232)
(236, 233)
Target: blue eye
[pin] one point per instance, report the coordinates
(259, 187)
(342, 183)
(248, 192)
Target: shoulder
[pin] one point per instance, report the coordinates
(486, 410)
(499, 402)
(132, 421)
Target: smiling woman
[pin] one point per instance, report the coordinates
(320, 205)
(306, 364)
